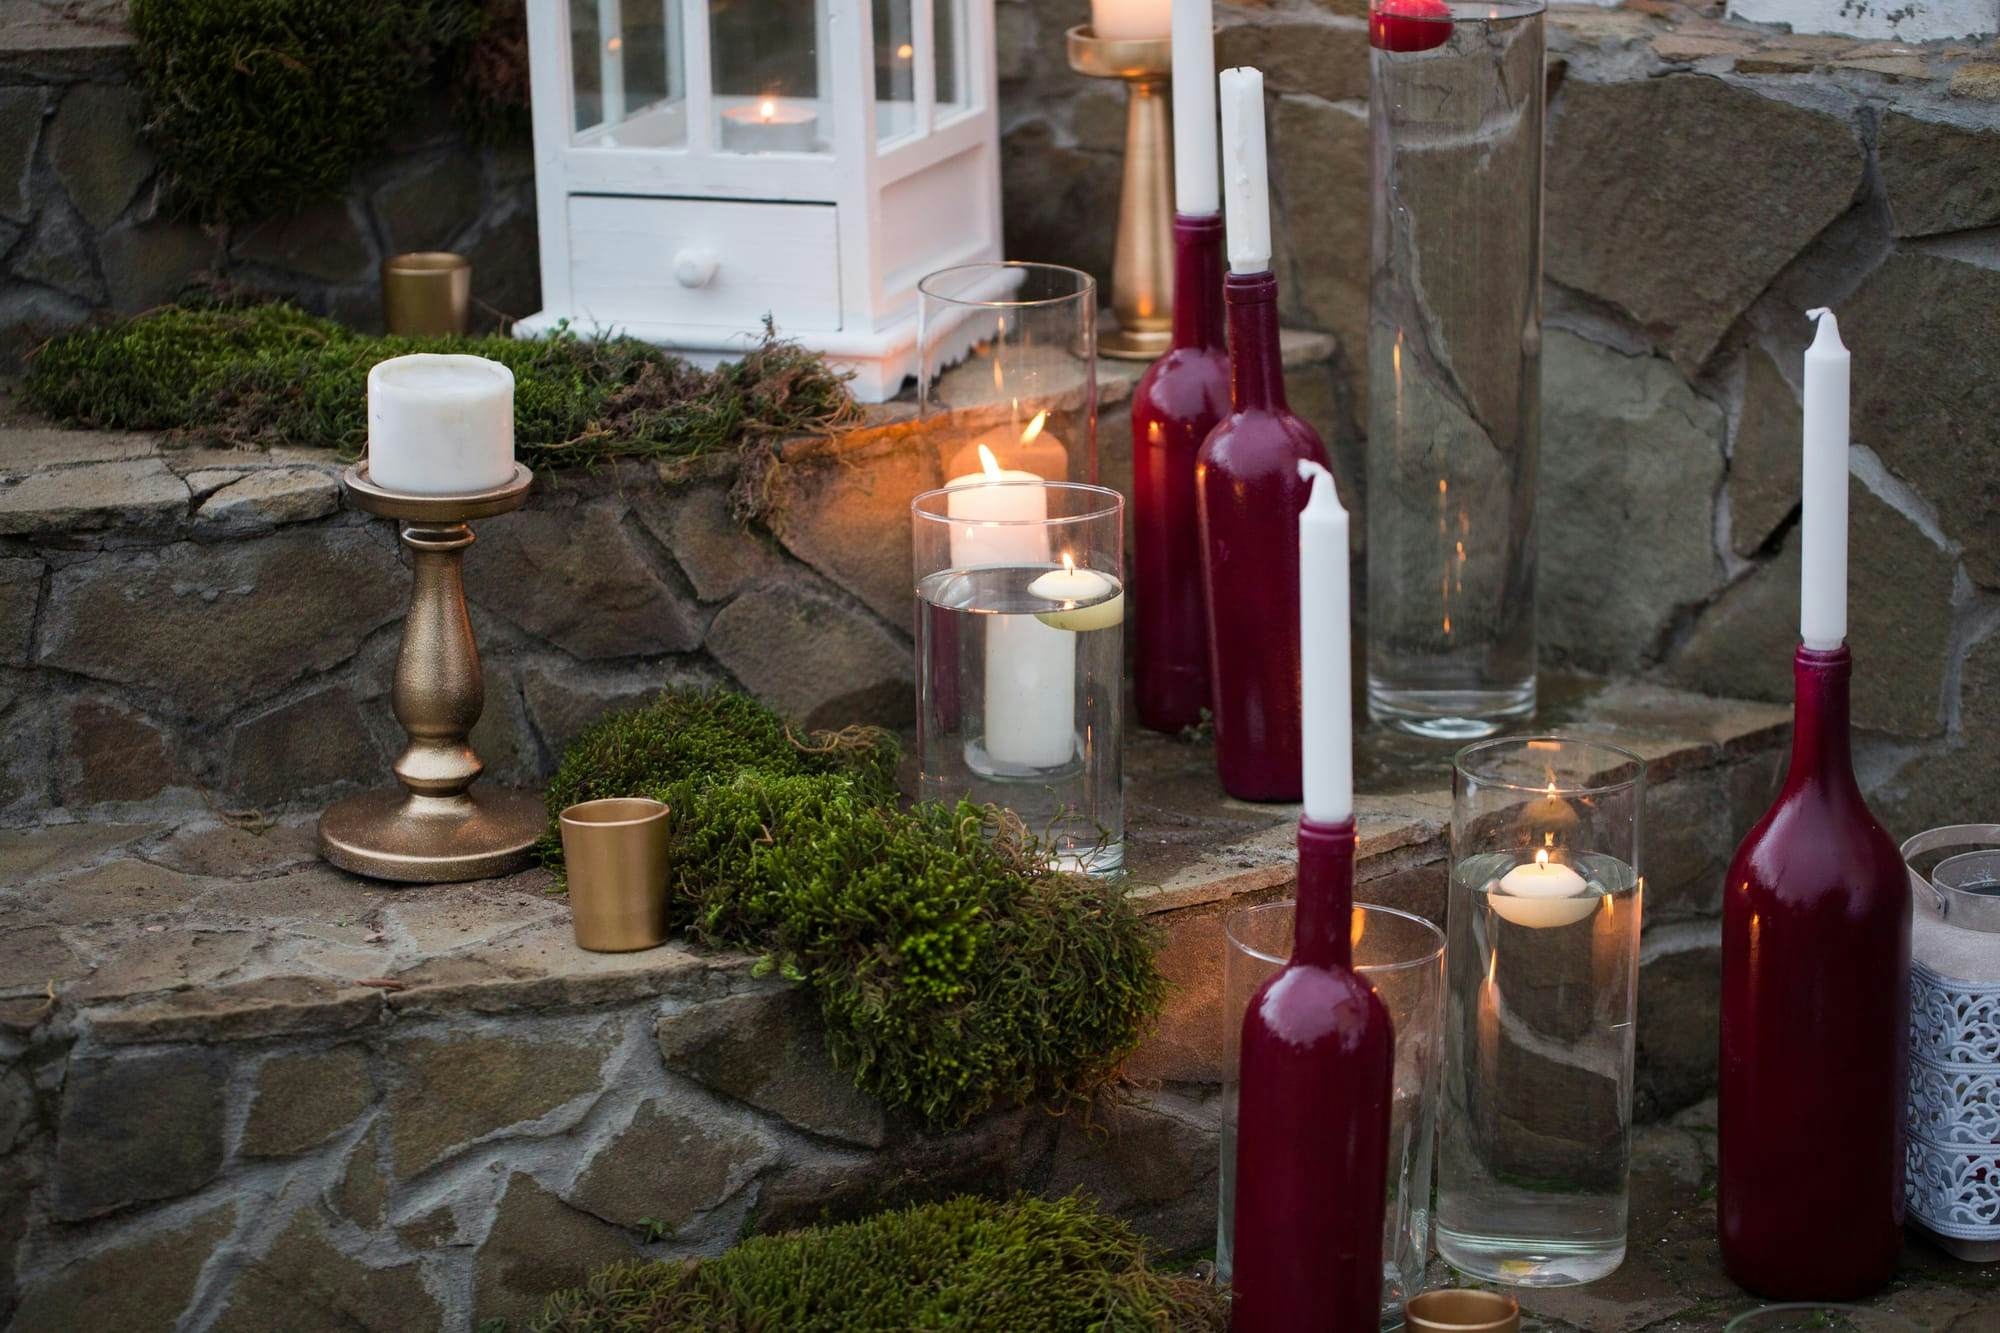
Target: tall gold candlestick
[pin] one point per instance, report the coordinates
(435, 828)
(1142, 278)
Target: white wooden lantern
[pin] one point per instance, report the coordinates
(703, 164)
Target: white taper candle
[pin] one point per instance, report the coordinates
(1823, 521)
(1326, 719)
(1245, 184)
(1197, 188)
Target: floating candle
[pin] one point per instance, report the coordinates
(1071, 586)
(1543, 893)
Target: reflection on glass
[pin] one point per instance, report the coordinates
(770, 76)
(629, 73)
(895, 70)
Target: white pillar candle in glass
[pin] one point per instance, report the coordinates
(1823, 512)
(770, 125)
(1129, 20)
(440, 425)
(1326, 718)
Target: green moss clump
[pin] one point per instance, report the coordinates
(259, 107)
(1026, 1266)
(953, 970)
(265, 376)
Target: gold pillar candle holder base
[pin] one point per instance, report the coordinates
(434, 828)
(1142, 257)
(426, 292)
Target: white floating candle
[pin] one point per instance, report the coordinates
(1085, 595)
(440, 425)
(1823, 516)
(1543, 893)
(1196, 186)
(1326, 720)
(1245, 187)
(1129, 20)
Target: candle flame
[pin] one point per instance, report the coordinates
(905, 51)
(1069, 563)
(767, 109)
(614, 44)
(1542, 857)
(988, 463)
(1035, 427)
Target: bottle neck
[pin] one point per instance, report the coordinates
(1323, 926)
(1256, 369)
(1198, 280)
(1821, 744)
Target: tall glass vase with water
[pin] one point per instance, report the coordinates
(1454, 357)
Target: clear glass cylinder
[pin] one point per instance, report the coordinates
(1454, 364)
(1543, 965)
(1007, 363)
(1020, 653)
(1402, 957)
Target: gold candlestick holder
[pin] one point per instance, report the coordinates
(1142, 257)
(436, 828)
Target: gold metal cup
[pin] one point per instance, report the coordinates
(1142, 258)
(426, 292)
(1453, 1310)
(615, 851)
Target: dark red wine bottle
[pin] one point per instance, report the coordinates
(1250, 494)
(1179, 400)
(1312, 1126)
(1815, 1023)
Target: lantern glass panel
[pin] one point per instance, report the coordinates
(895, 70)
(952, 86)
(771, 76)
(630, 73)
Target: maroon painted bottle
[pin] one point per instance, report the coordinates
(1312, 1126)
(1815, 1023)
(1178, 402)
(1250, 493)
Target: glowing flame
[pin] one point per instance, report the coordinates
(905, 51)
(1542, 856)
(1035, 426)
(1069, 563)
(767, 108)
(614, 44)
(1360, 928)
(988, 463)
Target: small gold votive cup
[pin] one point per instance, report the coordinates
(426, 292)
(615, 851)
(1459, 1310)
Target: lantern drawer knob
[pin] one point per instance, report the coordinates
(694, 266)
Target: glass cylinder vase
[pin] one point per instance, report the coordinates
(1402, 957)
(1543, 964)
(1454, 355)
(1007, 371)
(1020, 658)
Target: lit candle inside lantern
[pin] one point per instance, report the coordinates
(1326, 722)
(440, 425)
(1130, 20)
(1543, 893)
(1030, 705)
(770, 125)
(1823, 514)
(1086, 596)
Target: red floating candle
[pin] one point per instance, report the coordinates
(1409, 25)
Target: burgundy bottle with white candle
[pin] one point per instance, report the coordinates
(1816, 954)
(1318, 1052)
(1178, 401)
(1248, 487)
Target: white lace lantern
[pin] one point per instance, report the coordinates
(701, 165)
(1954, 1126)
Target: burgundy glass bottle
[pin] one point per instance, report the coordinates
(1312, 1128)
(1815, 1023)
(1179, 400)
(1250, 494)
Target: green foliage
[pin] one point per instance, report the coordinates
(261, 106)
(264, 376)
(953, 970)
(1026, 1266)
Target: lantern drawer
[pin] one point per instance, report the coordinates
(704, 262)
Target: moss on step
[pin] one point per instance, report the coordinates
(1027, 1266)
(954, 971)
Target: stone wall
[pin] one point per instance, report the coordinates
(1707, 182)
(83, 229)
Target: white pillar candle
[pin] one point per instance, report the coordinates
(1823, 518)
(1326, 716)
(1245, 188)
(1030, 704)
(1197, 189)
(440, 425)
(770, 125)
(1128, 20)
(1542, 893)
